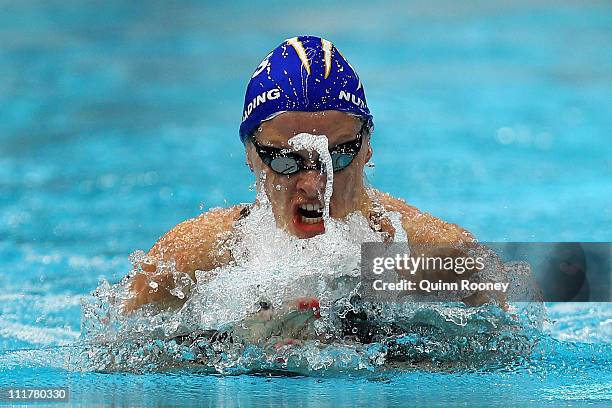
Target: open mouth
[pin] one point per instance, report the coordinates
(308, 219)
(310, 213)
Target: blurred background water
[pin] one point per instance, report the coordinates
(120, 119)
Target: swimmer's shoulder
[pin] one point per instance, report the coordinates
(197, 243)
(422, 227)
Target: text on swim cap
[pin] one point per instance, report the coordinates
(349, 97)
(259, 99)
(262, 65)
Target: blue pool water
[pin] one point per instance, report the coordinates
(119, 120)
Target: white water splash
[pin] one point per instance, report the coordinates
(273, 265)
(270, 265)
(319, 144)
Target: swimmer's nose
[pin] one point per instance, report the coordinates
(310, 183)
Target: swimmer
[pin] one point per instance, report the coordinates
(305, 85)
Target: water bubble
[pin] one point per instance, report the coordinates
(177, 292)
(505, 135)
(273, 266)
(137, 257)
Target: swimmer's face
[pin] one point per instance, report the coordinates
(288, 194)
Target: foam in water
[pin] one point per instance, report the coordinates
(222, 326)
(320, 144)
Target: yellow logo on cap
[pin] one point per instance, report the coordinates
(301, 52)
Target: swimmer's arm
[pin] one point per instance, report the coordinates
(193, 245)
(422, 229)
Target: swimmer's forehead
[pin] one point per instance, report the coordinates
(339, 127)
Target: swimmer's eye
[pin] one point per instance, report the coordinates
(286, 163)
(264, 305)
(343, 154)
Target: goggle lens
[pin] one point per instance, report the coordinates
(287, 163)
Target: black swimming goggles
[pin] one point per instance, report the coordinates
(287, 162)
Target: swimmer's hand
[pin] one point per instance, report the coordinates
(164, 288)
(288, 324)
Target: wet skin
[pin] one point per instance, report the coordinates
(198, 243)
(286, 193)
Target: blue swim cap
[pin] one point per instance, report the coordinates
(302, 74)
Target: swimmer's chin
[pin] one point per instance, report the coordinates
(298, 223)
(304, 230)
